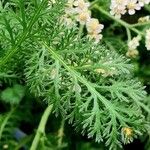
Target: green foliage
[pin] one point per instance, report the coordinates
(13, 95)
(91, 86)
(7, 121)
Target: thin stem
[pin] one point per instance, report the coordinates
(141, 24)
(128, 34)
(5, 121)
(61, 133)
(41, 128)
(80, 31)
(93, 3)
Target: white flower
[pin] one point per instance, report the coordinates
(143, 2)
(144, 19)
(132, 6)
(93, 26)
(81, 4)
(78, 10)
(118, 7)
(134, 43)
(83, 17)
(147, 42)
(117, 3)
(94, 29)
(118, 11)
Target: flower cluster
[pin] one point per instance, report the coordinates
(120, 7)
(144, 19)
(147, 38)
(132, 47)
(78, 11)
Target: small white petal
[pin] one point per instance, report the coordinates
(131, 12)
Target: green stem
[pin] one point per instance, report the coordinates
(4, 123)
(93, 3)
(141, 24)
(61, 133)
(41, 128)
(80, 31)
(128, 34)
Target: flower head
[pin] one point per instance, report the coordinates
(94, 29)
(93, 26)
(132, 6)
(81, 4)
(78, 11)
(143, 2)
(132, 53)
(132, 47)
(118, 7)
(144, 19)
(83, 16)
(127, 131)
(134, 43)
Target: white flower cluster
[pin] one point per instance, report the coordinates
(147, 38)
(132, 47)
(134, 43)
(120, 7)
(144, 19)
(78, 11)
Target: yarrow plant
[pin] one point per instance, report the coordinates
(55, 50)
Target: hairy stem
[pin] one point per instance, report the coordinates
(41, 128)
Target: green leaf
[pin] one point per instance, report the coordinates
(13, 95)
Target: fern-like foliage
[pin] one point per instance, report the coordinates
(89, 85)
(8, 121)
